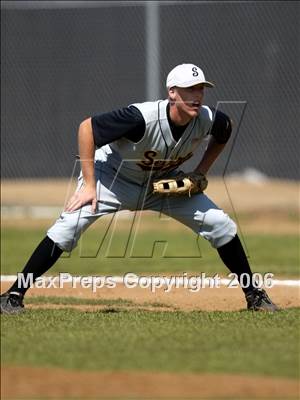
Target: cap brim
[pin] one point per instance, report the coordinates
(209, 84)
(204, 83)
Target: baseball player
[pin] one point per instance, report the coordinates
(130, 160)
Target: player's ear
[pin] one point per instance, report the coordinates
(172, 94)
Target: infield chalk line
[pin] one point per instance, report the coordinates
(157, 279)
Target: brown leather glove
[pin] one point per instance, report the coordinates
(181, 185)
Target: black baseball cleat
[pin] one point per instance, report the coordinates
(11, 303)
(258, 300)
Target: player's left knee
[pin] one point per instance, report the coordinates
(216, 226)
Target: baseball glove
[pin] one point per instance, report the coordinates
(181, 185)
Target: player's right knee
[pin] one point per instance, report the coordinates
(65, 242)
(66, 232)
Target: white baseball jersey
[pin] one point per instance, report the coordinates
(122, 169)
(157, 152)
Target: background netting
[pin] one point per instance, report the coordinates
(63, 64)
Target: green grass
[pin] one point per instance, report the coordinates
(267, 253)
(94, 302)
(219, 342)
(77, 301)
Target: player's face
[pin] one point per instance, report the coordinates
(187, 100)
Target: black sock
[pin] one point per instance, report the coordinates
(235, 259)
(44, 256)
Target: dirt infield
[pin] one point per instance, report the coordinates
(29, 383)
(271, 206)
(207, 299)
(242, 194)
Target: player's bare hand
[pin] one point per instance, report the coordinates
(86, 195)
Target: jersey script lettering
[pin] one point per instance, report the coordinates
(149, 163)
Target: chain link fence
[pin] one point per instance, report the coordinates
(65, 61)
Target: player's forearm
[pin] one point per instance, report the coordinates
(214, 149)
(87, 152)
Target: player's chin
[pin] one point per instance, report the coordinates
(193, 111)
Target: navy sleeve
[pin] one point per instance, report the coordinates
(221, 128)
(125, 122)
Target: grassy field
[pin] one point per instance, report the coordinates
(149, 253)
(231, 342)
(126, 336)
